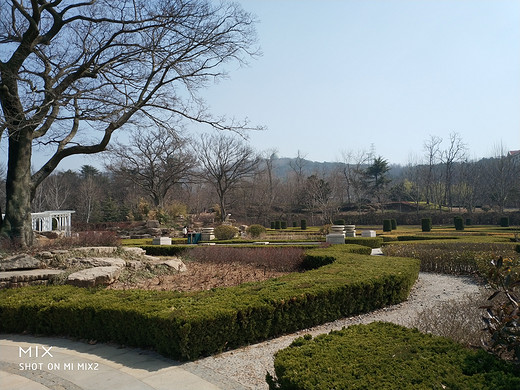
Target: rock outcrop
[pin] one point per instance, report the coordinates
(102, 266)
(20, 262)
(92, 277)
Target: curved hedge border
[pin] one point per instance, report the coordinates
(191, 325)
(387, 356)
(371, 242)
(320, 257)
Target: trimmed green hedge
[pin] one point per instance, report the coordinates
(166, 250)
(426, 224)
(191, 325)
(319, 257)
(387, 356)
(425, 238)
(371, 242)
(387, 225)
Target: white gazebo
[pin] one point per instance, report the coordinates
(47, 221)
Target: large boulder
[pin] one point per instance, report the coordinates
(133, 251)
(27, 277)
(96, 276)
(173, 263)
(101, 261)
(97, 250)
(20, 262)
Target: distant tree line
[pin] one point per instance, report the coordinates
(162, 174)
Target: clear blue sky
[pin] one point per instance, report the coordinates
(344, 75)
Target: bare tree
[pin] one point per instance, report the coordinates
(298, 166)
(432, 149)
(467, 190)
(90, 191)
(155, 161)
(502, 174)
(74, 72)
(263, 191)
(354, 174)
(318, 197)
(225, 161)
(57, 191)
(456, 152)
(414, 175)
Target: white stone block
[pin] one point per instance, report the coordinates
(162, 241)
(368, 233)
(335, 238)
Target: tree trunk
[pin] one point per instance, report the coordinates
(18, 223)
(223, 210)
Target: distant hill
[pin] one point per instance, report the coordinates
(284, 166)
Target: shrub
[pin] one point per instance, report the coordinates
(468, 222)
(426, 224)
(457, 319)
(166, 250)
(225, 232)
(457, 258)
(394, 224)
(371, 242)
(283, 224)
(502, 314)
(504, 221)
(277, 224)
(303, 224)
(255, 230)
(319, 257)
(191, 325)
(387, 356)
(459, 223)
(387, 225)
(339, 222)
(294, 224)
(272, 225)
(424, 238)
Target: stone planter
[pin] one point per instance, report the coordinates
(207, 234)
(336, 235)
(350, 230)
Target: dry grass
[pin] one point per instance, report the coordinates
(212, 267)
(458, 258)
(202, 276)
(459, 320)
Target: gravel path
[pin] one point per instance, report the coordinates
(247, 367)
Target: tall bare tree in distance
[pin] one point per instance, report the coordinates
(155, 161)
(455, 152)
(74, 72)
(225, 160)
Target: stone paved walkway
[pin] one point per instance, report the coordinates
(40, 363)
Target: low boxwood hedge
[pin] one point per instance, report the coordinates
(191, 325)
(425, 238)
(371, 242)
(319, 257)
(387, 356)
(166, 250)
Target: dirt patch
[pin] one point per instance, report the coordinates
(201, 276)
(212, 267)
